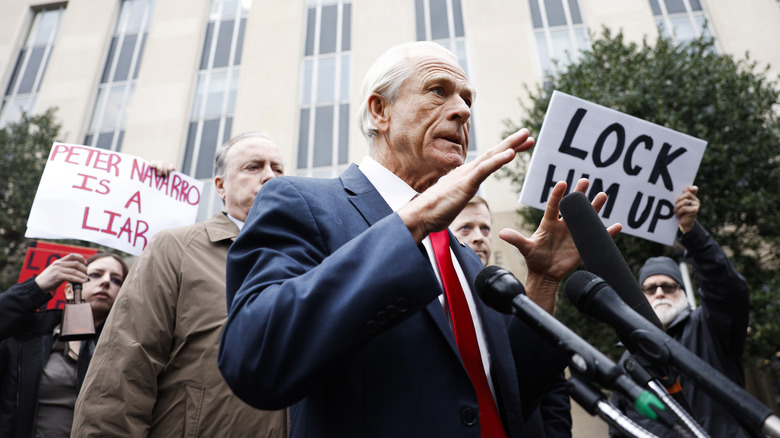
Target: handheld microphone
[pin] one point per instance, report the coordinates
(600, 254)
(593, 296)
(499, 289)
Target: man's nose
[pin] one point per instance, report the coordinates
(460, 110)
(267, 174)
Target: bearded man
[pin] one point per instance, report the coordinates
(715, 331)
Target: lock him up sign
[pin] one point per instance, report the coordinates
(641, 166)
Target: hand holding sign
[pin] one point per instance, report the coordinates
(110, 198)
(641, 166)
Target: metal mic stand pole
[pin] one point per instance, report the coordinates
(594, 402)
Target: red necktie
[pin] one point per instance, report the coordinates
(466, 337)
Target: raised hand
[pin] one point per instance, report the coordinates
(550, 253)
(686, 208)
(435, 208)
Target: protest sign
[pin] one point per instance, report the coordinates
(109, 198)
(42, 254)
(641, 166)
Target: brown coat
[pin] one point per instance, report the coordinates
(154, 372)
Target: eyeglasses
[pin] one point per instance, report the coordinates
(668, 288)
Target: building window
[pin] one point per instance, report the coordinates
(211, 116)
(30, 65)
(324, 105)
(682, 19)
(559, 32)
(441, 21)
(117, 82)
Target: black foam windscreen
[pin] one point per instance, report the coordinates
(497, 287)
(600, 254)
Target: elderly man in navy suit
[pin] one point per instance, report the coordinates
(350, 302)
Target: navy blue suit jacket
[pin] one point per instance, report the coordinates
(333, 310)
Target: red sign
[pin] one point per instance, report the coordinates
(40, 255)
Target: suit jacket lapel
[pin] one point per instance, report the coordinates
(364, 196)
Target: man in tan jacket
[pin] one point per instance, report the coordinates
(154, 371)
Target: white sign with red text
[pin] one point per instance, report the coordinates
(109, 198)
(643, 167)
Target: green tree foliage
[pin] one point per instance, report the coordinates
(733, 105)
(24, 146)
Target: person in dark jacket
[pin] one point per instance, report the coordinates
(552, 417)
(715, 331)
(40, 375)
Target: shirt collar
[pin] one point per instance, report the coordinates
(392, 188)
(239, 224)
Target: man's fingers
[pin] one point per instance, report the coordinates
(599, 201)
(551, 210)
(499, 155)
(514, 238)
(614, 229)
(518, 141)
(582, 185)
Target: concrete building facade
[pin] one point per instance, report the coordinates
(171, 79)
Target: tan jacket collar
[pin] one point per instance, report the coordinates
(220, 227)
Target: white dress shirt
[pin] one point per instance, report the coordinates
(397, 194)
(239, 224)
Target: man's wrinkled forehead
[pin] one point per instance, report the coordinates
(431, 62)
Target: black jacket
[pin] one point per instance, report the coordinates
(552, 417)
(715, 331)
(26, 339)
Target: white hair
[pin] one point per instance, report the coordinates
(385, 76)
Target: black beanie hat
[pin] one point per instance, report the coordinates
(660, 265)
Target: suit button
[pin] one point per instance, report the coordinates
(403, 304)
(382, 317)
(372, 327)
(392, 311)
(468, 416)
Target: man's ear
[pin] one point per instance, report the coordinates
(219, 183)
(379, 110)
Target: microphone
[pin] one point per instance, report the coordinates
(600, 254)
(499, 289)
(602, 257)
(593, 296)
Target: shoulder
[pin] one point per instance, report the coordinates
(180, 233)
(187, 235)
(304, 185)
(294, 198)
(174, 244)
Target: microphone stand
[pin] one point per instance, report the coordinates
(683, 416)
(586, 360)
(653, 345)
(594, 402)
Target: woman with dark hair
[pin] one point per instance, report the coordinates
(40, 375)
